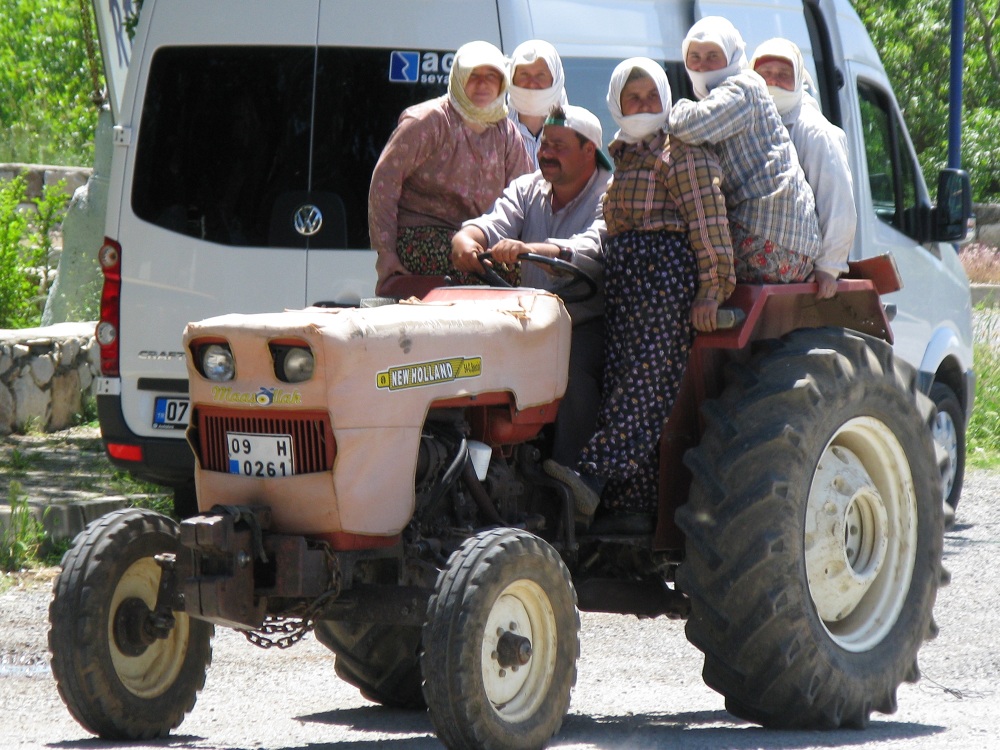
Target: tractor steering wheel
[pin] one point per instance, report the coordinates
(562, 268)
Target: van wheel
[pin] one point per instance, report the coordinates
(949, 436)
(814, 533)
(382, 661)
(119, 678)
(501, 643)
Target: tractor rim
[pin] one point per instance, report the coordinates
(145, 670)
(523, 623)
(861, 534)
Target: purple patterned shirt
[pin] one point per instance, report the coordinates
(437, 171)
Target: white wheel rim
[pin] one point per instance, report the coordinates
(518, 692)
(154, 671)
(946, 440)
(861, 534)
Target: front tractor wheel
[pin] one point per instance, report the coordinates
(814, 532)
(500, 644)
(122, 675)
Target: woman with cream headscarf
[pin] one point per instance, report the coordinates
(447, 161)
(537, 84)
(772, 212)
(822, 150)
(668, 265)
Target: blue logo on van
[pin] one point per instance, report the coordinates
(404, 67)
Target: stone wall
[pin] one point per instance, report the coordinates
(38, 176)
(45, 374)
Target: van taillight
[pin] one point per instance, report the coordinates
(125, 452)
(110, 258)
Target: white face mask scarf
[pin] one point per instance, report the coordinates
(787, 102)
(635, 128)
(468, 57)
(537, 102)
(721, 32)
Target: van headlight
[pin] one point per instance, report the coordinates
(293, 364)
(216, 361)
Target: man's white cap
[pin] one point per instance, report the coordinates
(584, 122)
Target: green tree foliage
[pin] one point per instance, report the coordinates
(913, 40)
(26, 251)
(47, 115)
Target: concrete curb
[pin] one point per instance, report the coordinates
(64, 480)
(62, 521)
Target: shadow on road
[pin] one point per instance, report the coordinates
(700, 729)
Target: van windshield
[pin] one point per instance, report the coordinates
(230, 142)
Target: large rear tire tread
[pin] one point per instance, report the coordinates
(115, 695)
(767, 649)
(382, 661)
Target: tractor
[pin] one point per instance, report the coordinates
(373, 474)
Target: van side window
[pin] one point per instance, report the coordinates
(892, 174)
(357, 108)
(224, 130)
(234, 139)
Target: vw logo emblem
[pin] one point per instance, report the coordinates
(308, 220)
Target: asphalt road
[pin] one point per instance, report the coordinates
(639, 682)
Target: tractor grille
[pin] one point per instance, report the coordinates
(313, 446)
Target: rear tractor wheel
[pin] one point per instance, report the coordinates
(814, 530)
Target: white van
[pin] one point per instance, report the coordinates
(248, 132)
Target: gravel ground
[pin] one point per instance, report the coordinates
(639, 682)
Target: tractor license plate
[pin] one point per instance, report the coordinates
(266, 456)
(171, 413)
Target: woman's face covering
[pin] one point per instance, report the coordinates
(704, 57)
(483, 86)
(777, 73)
(640, 97)
(534, 75)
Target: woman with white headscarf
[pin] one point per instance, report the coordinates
(772, 212)
(537, 84)
(447, 161)
(822, 150)
(668, 265)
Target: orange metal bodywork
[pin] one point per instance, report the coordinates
(771, 311)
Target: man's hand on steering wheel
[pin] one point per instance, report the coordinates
(576, 274)
(507, 251)
(465, 252)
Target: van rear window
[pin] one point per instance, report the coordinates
(230, 138)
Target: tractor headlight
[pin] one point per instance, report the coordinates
(293, 364)
(217, 362)
(299, 364)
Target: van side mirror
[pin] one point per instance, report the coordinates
(951, 217)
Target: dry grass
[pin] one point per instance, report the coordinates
(981, 263)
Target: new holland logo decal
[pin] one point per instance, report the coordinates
(429, 373)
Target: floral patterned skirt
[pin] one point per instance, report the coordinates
(650, 284)
(760, 261)
(426, 251)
